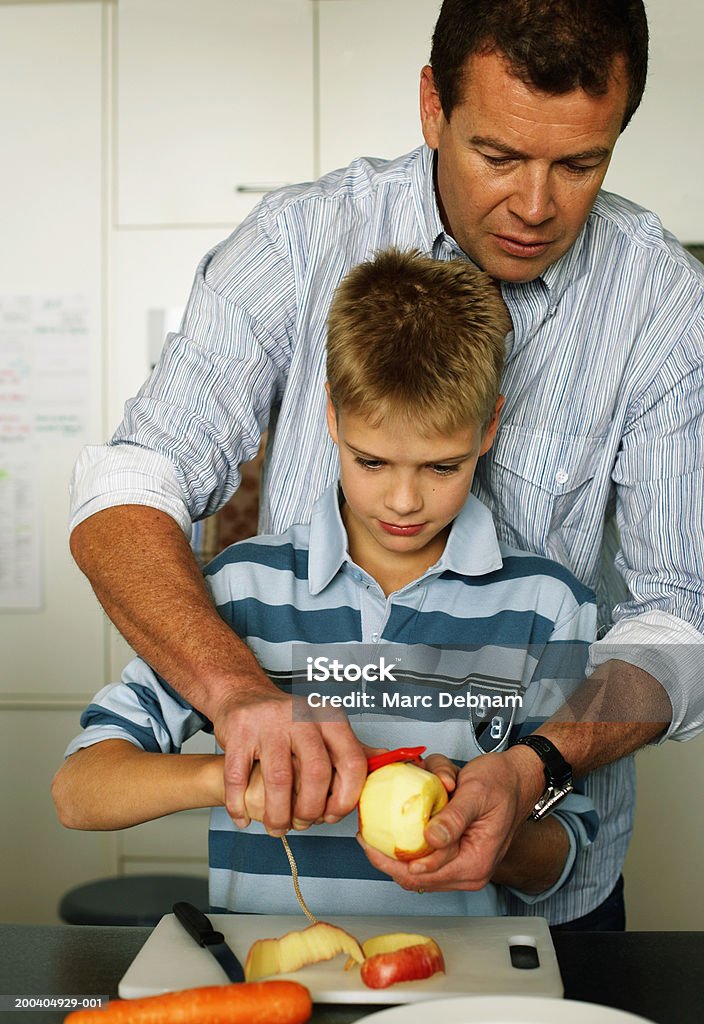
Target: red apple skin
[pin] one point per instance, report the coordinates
(407, 855)
(413, 963)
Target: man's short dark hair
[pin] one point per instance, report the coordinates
(554, 45)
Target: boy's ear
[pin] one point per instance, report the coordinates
(490, 432)
(331, 415)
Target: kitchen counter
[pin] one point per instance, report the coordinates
(659, 975)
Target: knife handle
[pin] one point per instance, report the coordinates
(197, 924)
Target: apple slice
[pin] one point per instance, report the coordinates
(388, 943)
(392, 942)
(405, 963)
(395, 805)
(297, 949)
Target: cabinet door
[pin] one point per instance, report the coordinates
(41, 860)
(214, 102)
(371, 53)
(51, 211)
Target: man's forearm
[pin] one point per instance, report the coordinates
(144, 574)
(113, 785)
(536, 857)
(615, 712)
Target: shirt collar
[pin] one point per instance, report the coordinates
(428, 211)
(327, 540)
(559, 276)
(472, 548)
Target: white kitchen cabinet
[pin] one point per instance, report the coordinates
(40, 859)
(151, 270)
(371, 53)
(211, 98)
(51, 211)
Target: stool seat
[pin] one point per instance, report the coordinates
(136, 900)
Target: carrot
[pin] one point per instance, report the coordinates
(251, 1002)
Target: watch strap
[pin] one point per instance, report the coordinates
(558, 774)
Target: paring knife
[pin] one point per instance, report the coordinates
(199, 927)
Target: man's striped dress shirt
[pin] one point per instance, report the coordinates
(599, 458)
(484, 612)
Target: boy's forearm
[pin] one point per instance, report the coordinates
(113, 784)
(536, 857)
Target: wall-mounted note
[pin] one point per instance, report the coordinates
(44, 368)
(20, 542)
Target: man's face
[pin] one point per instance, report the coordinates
(518, 169)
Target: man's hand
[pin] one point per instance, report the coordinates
(143, 571)
(309, 771)
(492, 798)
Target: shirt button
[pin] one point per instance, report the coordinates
(561, 477)
(375, 638)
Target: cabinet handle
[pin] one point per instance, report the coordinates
(260, 189)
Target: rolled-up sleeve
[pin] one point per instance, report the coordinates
(670, 650)
(659, 475)
(579, 818)
(124, 474)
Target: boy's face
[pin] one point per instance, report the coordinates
(403, 489)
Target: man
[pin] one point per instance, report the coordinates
(521, 109)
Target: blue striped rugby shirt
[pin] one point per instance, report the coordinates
(506, 618)
(604, 412)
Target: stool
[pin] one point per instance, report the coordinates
(135, 900)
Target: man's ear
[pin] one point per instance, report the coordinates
(490, 432)
(330, 415)
(432, 118)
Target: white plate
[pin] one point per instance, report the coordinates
(502, 1010)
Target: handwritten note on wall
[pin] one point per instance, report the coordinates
(20, 543)
(44, 398)
(44, 368)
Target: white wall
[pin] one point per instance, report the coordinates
(72, 222)
(658, 160)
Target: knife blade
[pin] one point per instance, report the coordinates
(200, 928)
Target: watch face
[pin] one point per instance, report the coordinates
(550, 799)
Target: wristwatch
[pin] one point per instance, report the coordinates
(558, 775)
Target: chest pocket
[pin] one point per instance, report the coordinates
(539, 485)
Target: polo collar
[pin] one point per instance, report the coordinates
(472, 548)
(327, 540)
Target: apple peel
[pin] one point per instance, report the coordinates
(297, 949)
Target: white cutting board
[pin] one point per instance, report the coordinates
(476, 952)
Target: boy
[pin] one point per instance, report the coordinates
(400, 558)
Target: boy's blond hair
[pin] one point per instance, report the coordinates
(418, 340)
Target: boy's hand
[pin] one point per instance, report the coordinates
(444, 768)
(255, 797)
